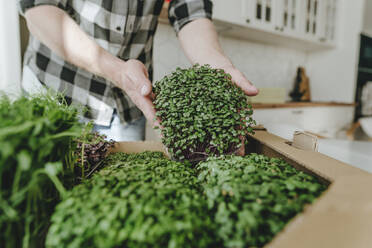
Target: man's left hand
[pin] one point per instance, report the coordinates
(240, 80)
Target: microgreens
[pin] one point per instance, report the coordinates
(202, 113)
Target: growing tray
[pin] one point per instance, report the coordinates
(340, 217)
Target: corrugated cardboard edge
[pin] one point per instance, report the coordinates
(136, 147)
(341, 217)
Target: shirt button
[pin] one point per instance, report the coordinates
(118, 28)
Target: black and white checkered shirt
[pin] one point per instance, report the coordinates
(126, 29)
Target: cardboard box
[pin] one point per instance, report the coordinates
(270, 95)
(341, 217)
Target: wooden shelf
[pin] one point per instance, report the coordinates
(301, 105)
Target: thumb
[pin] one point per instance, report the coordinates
(146, 87)
(240, 80)
(248, 88)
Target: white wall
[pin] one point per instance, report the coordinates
(367, 21)
(10, 59)
(264, 65)
(333, 73)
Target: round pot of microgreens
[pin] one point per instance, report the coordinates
(202, 113)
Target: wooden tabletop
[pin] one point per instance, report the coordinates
(301, 105)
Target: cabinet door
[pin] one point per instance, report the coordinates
(260, 13)
(331, 19)
(327, 121)
(319, 19)
(288, 13)
(310, 18)
(229, 11)
(289, 116)
(305, 20)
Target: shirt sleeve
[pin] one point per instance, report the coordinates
(24, 5)
(181, 12)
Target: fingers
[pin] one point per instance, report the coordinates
(146, 87)
(141, 83)
(136, 78)
(248, 88)
(144, 82)
(152, 96)
(240, 80)
(136, 84)
(146, 106)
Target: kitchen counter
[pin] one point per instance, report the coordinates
(301, 105)
(355, 153)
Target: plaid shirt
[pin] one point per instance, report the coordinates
(126, 29)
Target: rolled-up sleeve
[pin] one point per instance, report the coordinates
(181, 12)
(24, 5)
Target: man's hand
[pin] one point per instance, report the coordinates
(133, 79)
(62, 35)
(240, 80)
(250, 90)
(207, 50)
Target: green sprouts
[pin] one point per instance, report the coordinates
(36, 137)
(147, 200)
(202, 113)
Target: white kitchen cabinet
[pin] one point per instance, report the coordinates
(226, 13)
(288, 17)
(292, 116)
(320, 20)
(303, 24)
(326, 121)
(260, 13)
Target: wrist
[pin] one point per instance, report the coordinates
(224, 64)
(110, 66)
(218, 62)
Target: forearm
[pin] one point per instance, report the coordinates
(64, 37)
(200, 43)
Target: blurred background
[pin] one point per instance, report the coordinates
(311, 60)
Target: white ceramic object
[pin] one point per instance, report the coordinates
(366, 124)
(282, 130)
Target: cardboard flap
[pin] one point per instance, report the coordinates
(137, 147)
(305, 141)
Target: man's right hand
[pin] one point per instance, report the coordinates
(133, 78)
(63, 36)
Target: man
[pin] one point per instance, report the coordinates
(99, 54)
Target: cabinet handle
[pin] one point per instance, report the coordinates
(247, 20)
